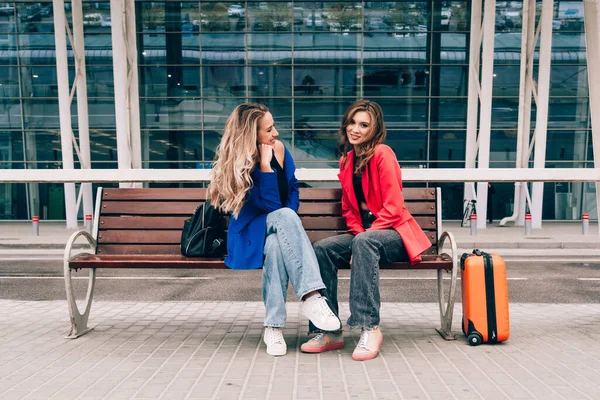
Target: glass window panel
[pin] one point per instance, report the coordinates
(449, 80)
(10, 113)
(506, 80)
(222, 16)
(505, 112)
(172, 113)
(273, 16)
(9, 82)
(385, 48)
(326, 48)
(314, 148)
(176, 149)
(408, 145)
(566, 113)
(448, 113)
(566, 145)
(395, 80)
(270, 81)
(566, 45)
(33, 49)
(171, 81)
(8, 42)
(217, 110)
(11, 149)
(101, 112)
(35, 17)
(7, 18)
(400, 17)
(103, 145)
(326, 81)
(503, 148)
(451, 15)
(223, 48)
(568, 16)
(320, 113)
(568, 80)
(509, 16)
(170, 48)
(223, 81)
(447, 145)
(404, 113)
(39, 113)
(453, 48)
(269, 48)
(40, 81)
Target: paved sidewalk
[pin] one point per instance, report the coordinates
(177, 350)
(556, 240)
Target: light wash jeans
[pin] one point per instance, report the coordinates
(289, 256)
(367, 249)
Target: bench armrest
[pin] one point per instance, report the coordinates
(71, 241)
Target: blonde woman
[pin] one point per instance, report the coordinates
(380, 228)
(253, 180)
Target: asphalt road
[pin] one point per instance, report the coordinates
(529, 282)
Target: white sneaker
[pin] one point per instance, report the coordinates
(318, 312)
(275, 342)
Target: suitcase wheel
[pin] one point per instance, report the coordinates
(474, 339)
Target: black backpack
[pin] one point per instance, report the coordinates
(203, 234)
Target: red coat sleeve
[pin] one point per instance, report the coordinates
(390, 215)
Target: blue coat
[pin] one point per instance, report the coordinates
(246, 233)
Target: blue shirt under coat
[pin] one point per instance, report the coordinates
(246, 233)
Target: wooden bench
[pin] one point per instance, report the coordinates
(141, 228)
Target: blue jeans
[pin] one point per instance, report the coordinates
(289, 256)
(367, 249)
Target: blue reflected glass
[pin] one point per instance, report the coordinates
(385, 48)
(566, 145)
(224, 81)
(269, 48)
(171, 113)
(408, 145)
(327, 48)
(326, 80)
(217, 110)
(269, 81)
(447, 145)
(320, 113)
(505, 112)
(281, 109)
(223, 48)
(568, 80)
(405, 113)
(171, 81)
(448, 113)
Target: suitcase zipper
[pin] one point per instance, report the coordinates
(490, 294)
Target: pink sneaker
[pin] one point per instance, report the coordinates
(368, 345)
(323, 342)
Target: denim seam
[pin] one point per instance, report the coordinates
(274, 325)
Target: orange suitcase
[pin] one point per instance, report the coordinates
(484, 298)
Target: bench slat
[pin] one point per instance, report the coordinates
(166, 223)
(170, 261)
(173, 237)
(199, 194)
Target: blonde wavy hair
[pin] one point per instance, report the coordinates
(378, 133)
(237, 154)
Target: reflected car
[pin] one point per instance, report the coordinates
(235, 10)
(31, 14)
(317, 22)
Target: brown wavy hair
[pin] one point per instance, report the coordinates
(367, 149)
(236, 157)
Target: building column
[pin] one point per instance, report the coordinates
(541, 121)
(82, 104)
(127, 112)
(64, 108)
(592, 42)
(478, 145)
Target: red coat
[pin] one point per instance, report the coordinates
(382, 185)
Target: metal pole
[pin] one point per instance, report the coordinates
(592, 43)
(473, 95)
(485, 116)
(133, 87)
(119, 52)
(82, 103)
(64, 107)
(543, 96)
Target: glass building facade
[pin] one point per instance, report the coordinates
(307, 61)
